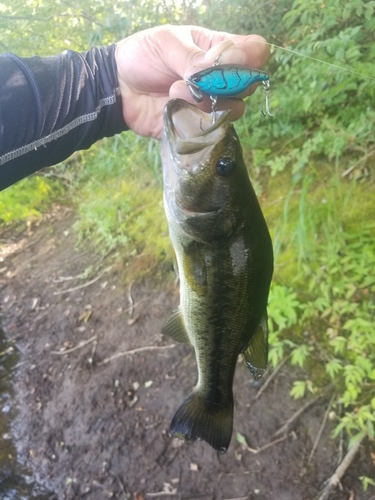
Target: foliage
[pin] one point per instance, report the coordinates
(71, 26)
(333, 308)
(314, 164)
(27, 199)
(119, 200)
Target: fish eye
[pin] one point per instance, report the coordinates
(225, 166)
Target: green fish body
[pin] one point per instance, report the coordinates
(224, 262)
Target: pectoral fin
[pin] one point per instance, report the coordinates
(175, 327)
(195, 268)
(256, 353)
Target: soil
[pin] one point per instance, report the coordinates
(93, 426)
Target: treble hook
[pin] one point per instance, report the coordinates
(266, 89)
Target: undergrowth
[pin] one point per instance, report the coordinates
(27, 199)
(120, 203)
(322, 303)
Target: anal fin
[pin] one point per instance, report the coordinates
(175, 327)
(256, 353)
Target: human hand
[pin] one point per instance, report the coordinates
(152, 67)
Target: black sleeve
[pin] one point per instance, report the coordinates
(53, 106)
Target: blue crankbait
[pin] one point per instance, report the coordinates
(227, 80)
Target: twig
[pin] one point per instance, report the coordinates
(136, 304)
(167, 490)
(135, 351)
(336, 477)
(284, 428)
(93, 351)
(238, 498)
(364, 158)
(161, 493)
(245, 472)
(341, 442)
(321, 429)
(88, 283)
(130, 299)
(268, 445)
(78, 346)
(119, 481)
(270, 378)
(299, 412)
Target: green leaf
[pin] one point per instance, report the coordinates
(366, 482)
(299, 389)
(333, 367)
(241, 439)
(354, 439)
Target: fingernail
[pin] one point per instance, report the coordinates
(233, 55)
(217, 51)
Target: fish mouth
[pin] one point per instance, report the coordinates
(190, 130)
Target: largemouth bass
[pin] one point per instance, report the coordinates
(224, 262)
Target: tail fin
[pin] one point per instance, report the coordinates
(199, 419)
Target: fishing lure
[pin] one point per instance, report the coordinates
(227, 80)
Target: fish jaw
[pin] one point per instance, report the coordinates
(195, 198)
(188, 141)
(190, 130)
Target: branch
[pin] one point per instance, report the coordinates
(270, 378)
(284, 428)
(321, 429)
(135, 351)
(364, 158)
(78, 346)
(91, 282)
(268, 445)
(336, 477)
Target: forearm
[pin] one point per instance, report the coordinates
(53, 106)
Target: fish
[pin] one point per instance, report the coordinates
(225, 80)
(224, 261)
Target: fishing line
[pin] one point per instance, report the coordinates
(320, 61)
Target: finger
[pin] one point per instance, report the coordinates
(197, 48)
(255, 48)
(252, 52)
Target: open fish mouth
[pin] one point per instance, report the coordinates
(190, 130)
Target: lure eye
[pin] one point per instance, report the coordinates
(225, 166)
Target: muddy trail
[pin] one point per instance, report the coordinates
(95, 385)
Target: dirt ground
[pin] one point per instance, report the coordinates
(92, 423)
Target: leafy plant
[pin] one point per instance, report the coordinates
(326, 320)
(119, 200)
(27, 199)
